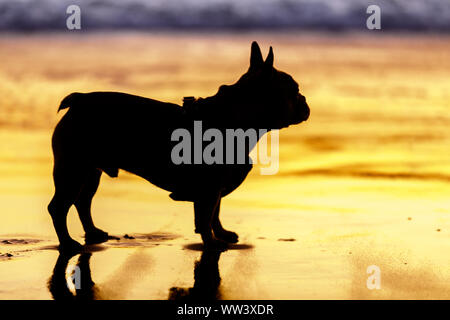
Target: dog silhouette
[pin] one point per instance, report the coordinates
(108, 131)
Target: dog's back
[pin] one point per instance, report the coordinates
(110, 118)
(109, 129)
(112, 131)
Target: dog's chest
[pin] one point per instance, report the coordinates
(195, 183)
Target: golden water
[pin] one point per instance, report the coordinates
(366, 181)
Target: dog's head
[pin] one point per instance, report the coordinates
(270, 96)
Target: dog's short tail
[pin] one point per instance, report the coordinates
(70, 100)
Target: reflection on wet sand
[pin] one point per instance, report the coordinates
(206, 277)
(84, 290)
(207, 280)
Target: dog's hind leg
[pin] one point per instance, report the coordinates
(204, 209)
(68, 183)
(219, 231)
(83, 205)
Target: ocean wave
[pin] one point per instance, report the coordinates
(413, 15)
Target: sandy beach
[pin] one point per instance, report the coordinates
(365, 181)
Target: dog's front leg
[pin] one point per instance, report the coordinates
(219, 231)
(204, 209)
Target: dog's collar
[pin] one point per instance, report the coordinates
(189, 105)
(211, 110)
(199, 108)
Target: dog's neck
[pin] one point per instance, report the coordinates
(220, 111)
(214, 113)
(209, 110)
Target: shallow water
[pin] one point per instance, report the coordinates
(364, 182)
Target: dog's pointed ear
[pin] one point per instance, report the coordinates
(269, 60)
(256, 59)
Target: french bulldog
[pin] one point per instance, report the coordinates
(108, 131)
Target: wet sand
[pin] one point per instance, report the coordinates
(364, 182)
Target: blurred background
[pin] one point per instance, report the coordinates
(338, 15)
(365, 181)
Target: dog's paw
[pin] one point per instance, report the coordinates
(70, 247)
(97, 236)
(227, 236)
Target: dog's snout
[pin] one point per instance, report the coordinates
(302, 108)
(307, 112)
(301, 98)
